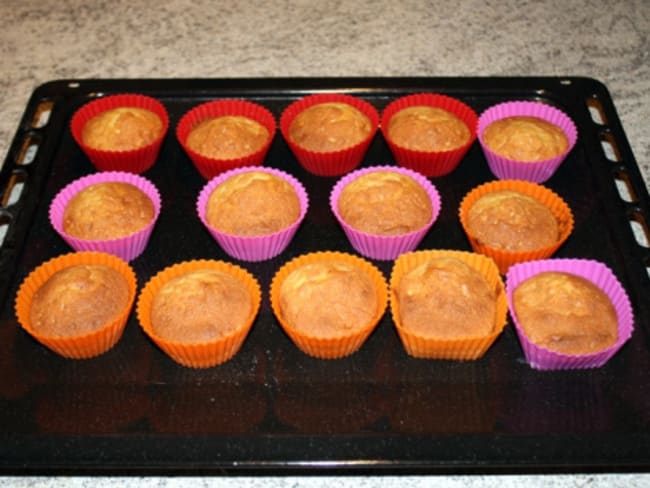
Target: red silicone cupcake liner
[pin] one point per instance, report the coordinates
(334, 163)
(538, 171)
(253, 248)
(134, 161)
(438, 163)
(383, 247)
(211, 167)
(127, 247)
(600, 275)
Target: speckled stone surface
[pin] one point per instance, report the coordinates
(42, 40)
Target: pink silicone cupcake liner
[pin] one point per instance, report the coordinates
(383, 247)
(211, 167)
(135, 161)
(600, 275)
(128, 247)
(538, 171)
(253, 248)
(334, 163)
(438, 163)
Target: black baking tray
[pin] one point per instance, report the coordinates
(272, 409)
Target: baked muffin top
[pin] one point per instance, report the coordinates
(107, 211)
(227, 137)
(385, 203)
(253, 203)
(122, 129)
(445, 298)
(526, 139)
(329, 126)
(78, 300)
(425, 128)
(200, 306)
(329, 298)
(565, 313)
(512, 221)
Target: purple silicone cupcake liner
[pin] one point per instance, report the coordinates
(253, 248)
(383, 247)
(538, 171)
(128, 247)
(600, 275)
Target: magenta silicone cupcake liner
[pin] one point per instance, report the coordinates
(430, 163)
(134, 161)
(383, 247)
(127, 247)
(333, 163)
(537, 171)
(600, 275)
(211, 167)
(253, 248)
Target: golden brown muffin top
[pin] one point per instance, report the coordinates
(425, 128)
(329, 298)
(122, 129)
(565, 313)
(78, 300)
(200, 306)
(386, 203)
(512, 221)
(227, 137)
(107, 211)
(526, 139)
(252, 204)
(330, 126)
(445, 298)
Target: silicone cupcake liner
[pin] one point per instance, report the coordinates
(329, 347)
(504, 259)
(202, 354)
(333, 163)
(437, 163)
(211, 167)
(600, 275)
(127, 247)
(253, 248)
(134, 161)
(87, 345)
(466, 348)
(383, 247)
(538, 171)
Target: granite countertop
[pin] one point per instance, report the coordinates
(42, 40)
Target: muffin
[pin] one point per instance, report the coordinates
(426, 128)
(107, 211)
(328, 302)
(221, 135)
(447, 304)
(199, 312)
(77, 304)
(329, 133)
(121, 132)
(428, 132)
(525, 138)
(253, 203)
(227, 137)
(122, 129)
(565, 313)
(329, 126)
(113, 212)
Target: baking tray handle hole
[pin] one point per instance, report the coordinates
(596, 111)
(42, 114)
(640, 228)
(14, 189)
(28, 150)
(610, 148)
(5, 221)
(624, 187)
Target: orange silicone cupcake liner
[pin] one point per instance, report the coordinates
(329, 347)
(554, 202)
(87, 345)
(465, 348)
(200, 354)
